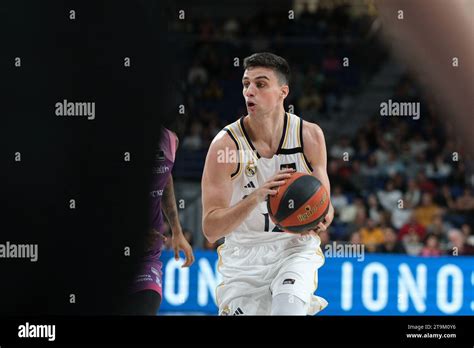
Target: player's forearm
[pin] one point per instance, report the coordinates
(169, 206)
(220, 222)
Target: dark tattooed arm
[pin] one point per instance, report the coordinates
(178, 241)
(169, 206)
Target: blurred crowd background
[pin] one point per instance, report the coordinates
(399, 185)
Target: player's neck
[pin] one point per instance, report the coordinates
(266, 128)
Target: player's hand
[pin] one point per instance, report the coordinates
(271, 186)
(179, 242)
(322, 226)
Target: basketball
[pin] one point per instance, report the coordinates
(300, 204)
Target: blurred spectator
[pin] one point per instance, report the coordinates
(338, 200)
(193, 141)
(400, 217)
(331, 62)
(231, 28)
(412, 226)
(357, 180)
(412, 242)
(457, 243)
(213, 91)
(416, 165)
(381, 154)
(197, 74)
(355, 238)
(349, 213)
(439, 229)
(363, 150)
(425, 213)
(371, 236)
(412, 196)
(467, 231)
(418, 145)
(466, 201)
(389, 198)
(444, 198)
(391, 244)
(393, 165)
(370, 169)
(342, 149)
(431, 247)
(310, 101)
(425, 184)
(438, 169)
(375, 209)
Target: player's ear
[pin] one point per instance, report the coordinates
(284, 91)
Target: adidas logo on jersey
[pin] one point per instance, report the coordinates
(238, 311)
(250, 185)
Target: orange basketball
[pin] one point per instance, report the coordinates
(300, 204)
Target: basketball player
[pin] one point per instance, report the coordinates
(264, 270)
(147, 287)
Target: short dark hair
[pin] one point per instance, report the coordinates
(269, 60)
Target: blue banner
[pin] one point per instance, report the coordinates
(377, 285)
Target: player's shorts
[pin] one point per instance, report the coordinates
(253, 274)
(149, 277)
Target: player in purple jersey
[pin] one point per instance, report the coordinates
(147, 286)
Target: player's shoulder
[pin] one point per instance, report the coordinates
(312, 133)
(219, 156)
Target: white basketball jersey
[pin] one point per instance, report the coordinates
(254, 170)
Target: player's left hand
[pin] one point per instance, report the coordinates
(179, 242)
(323, 225)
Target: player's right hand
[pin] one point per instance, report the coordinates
(271, 186)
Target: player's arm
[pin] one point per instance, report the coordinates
(315, 152)
(170, 210)
(219, 218)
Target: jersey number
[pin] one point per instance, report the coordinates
(267, 224)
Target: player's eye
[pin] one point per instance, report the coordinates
(246, 85)
(260, 85)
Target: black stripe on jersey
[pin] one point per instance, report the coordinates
(283, 133)
(291, 151)
(247, 136)
(302, 146)
(236, 144)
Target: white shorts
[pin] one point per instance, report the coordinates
(252, 275)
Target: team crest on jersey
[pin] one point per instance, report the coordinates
(250, 169)
(226, 311)
(288, 166)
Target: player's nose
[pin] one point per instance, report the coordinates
(250, 92)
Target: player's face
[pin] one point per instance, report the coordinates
(262, 91)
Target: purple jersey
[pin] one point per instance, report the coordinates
(162, 167)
